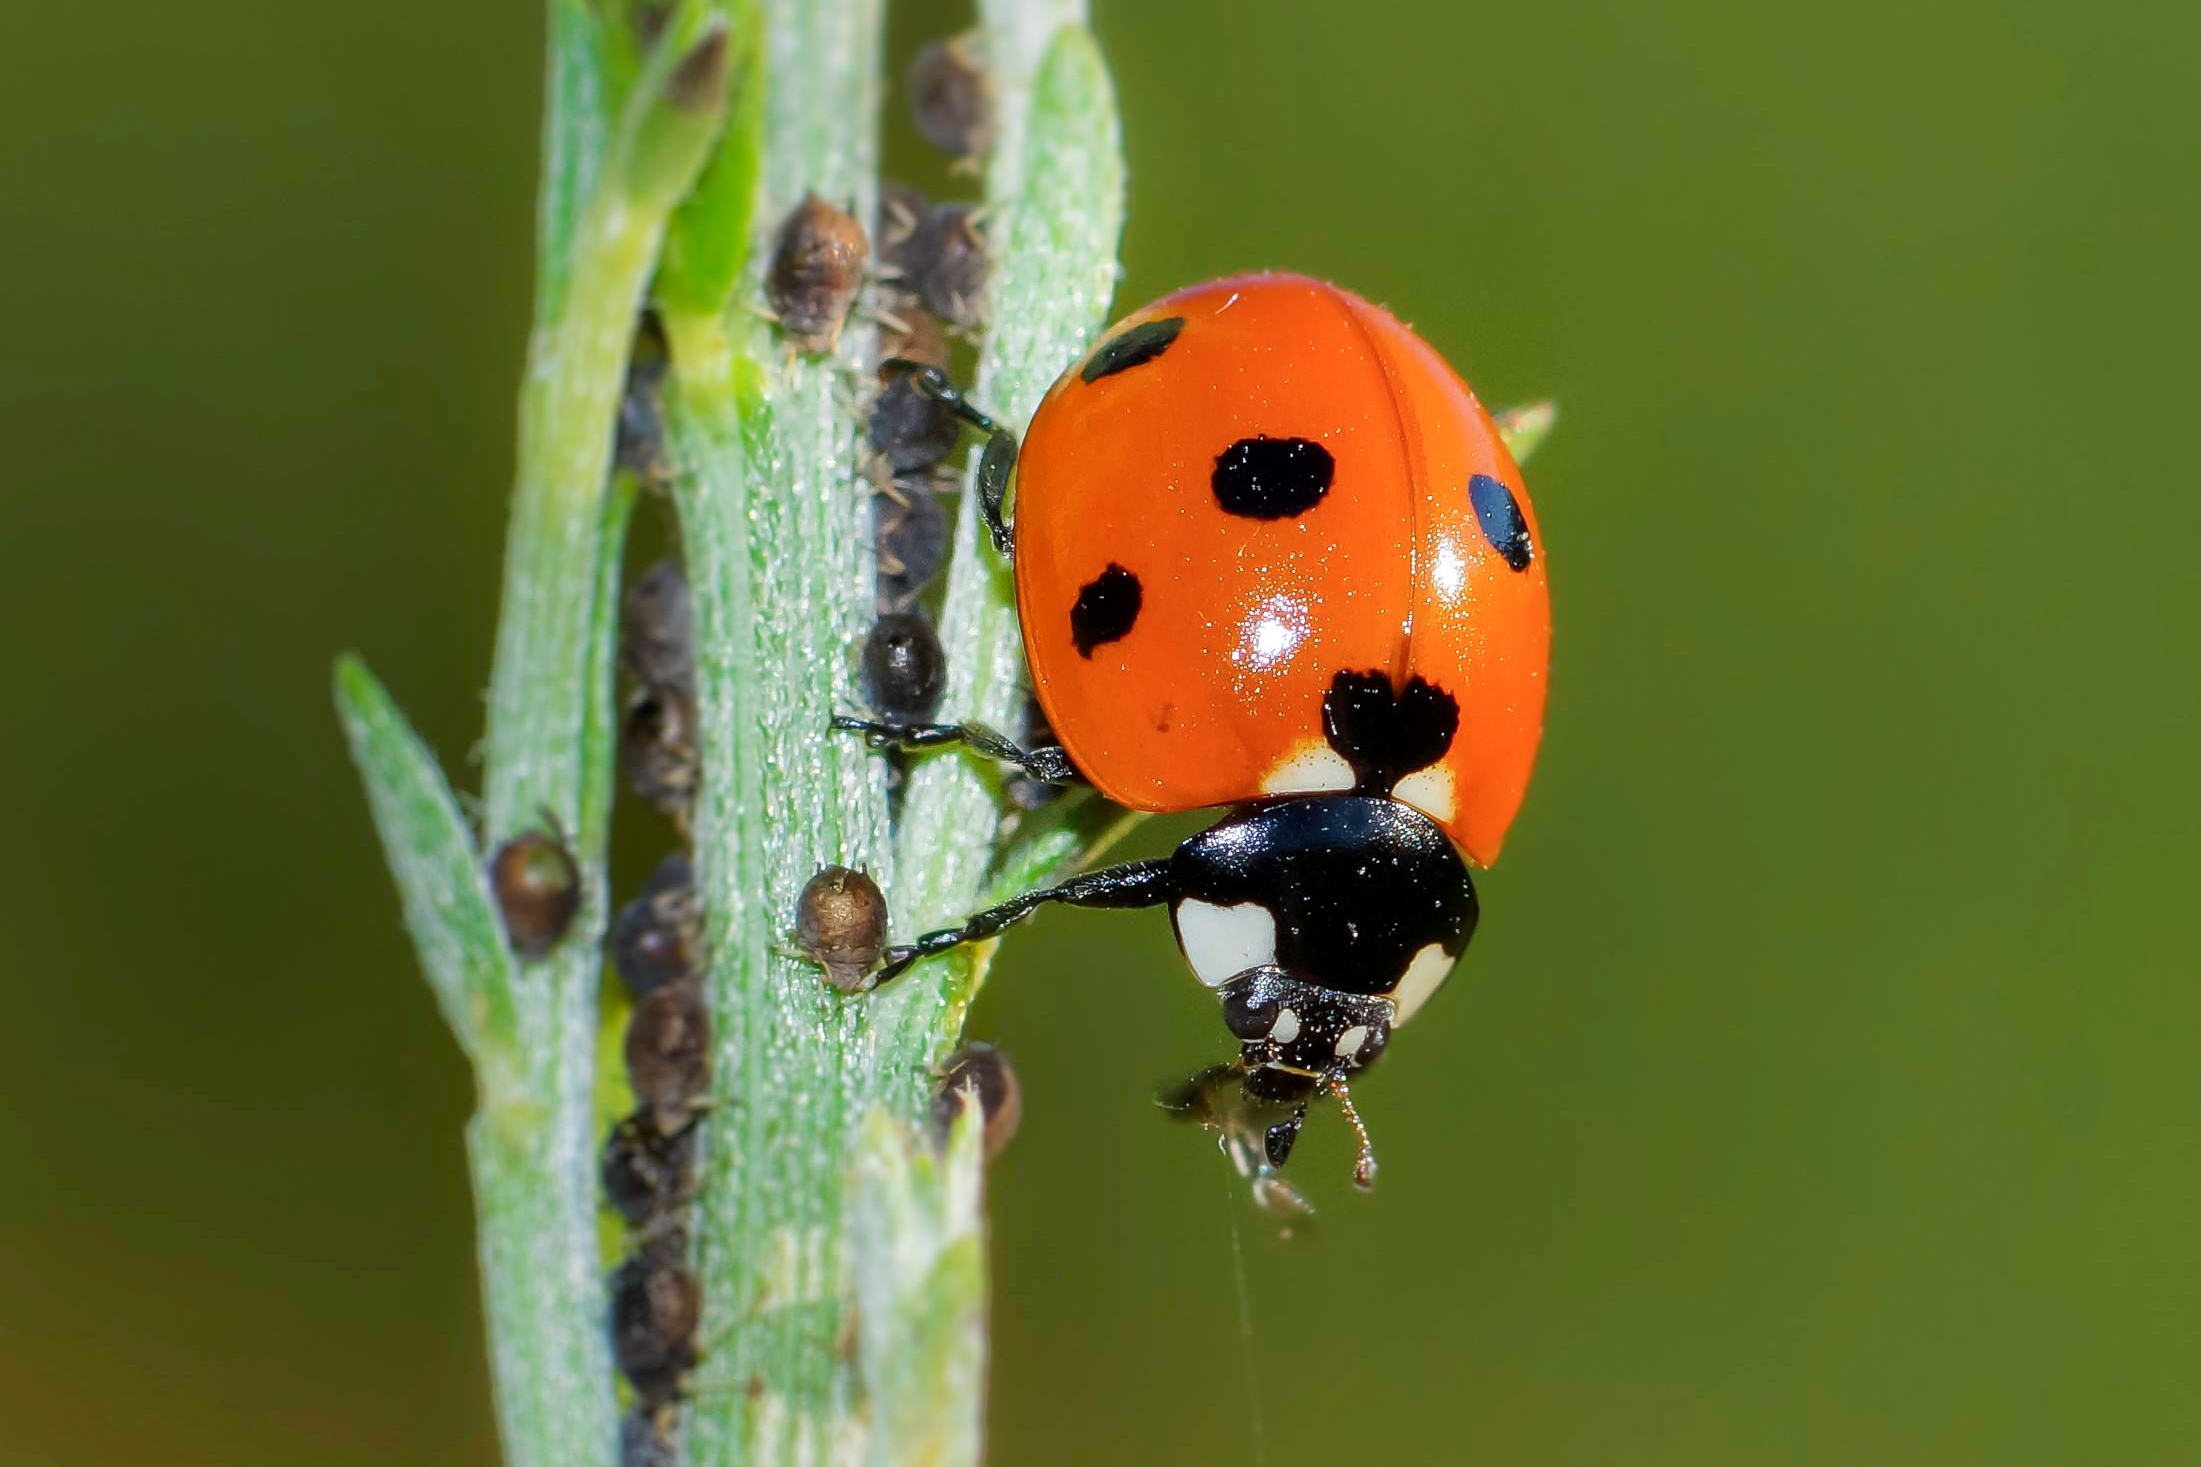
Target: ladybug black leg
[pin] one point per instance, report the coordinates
(994, 464)
(1048, 764)
(1133, 884)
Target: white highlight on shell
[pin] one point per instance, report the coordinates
(1222, 942)
(1349, 1043)
(1429, 968)
(1286, 1027)
(1449, 572)
(1313, 767)
(1429, 791)
(1270, 634)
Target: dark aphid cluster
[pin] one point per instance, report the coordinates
(657, 735)
(538, 891)
(841, 922)
(979, 1070)
(656, 946)
(816, 271)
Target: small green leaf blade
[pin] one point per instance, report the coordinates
(438, 869)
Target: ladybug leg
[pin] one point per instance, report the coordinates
(1133, 884)
(994, 464)
(1048, 763)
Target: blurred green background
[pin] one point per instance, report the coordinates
(1821, 1086)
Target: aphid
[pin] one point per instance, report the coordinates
(657, 748)
(945, 262)
(911, 429)
(645, 1438)
(639, 447)
(538, 891)
(904, 668)
(902, 207)
(655, 1305)
(669, 1053)
(1192, 498)
(817, 268)
(657, 626)
(841, 921)
(656, 938)
(647, 1174)
(912, 532)
(986, 1070)
(951, 97)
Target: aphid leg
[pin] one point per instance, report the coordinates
(1133, 884)
(994, 464)
(1048, 764)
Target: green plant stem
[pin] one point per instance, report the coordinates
(531, 1028)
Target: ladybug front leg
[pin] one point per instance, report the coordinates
(1133, 884)
(994, 464)
(1048, 764)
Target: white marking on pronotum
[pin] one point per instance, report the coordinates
(1429, 791)
(1349, 1043)
(1222, 942)
(1311, 768)
(1428, 969)
(1286, 1027)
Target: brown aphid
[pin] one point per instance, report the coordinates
(655, 1305)
(912, 531)
(952, 97)
(982, 1068)
(656, 939)
(946, 264)
(817, 268)
(647, 1175)
(657, 626)
(669, 1054)
(538, 890)
(841, 921)
(909, 331)
(905, 668)
(657, 748)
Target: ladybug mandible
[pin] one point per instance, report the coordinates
(1271, 554)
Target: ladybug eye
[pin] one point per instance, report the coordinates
(1500, 516)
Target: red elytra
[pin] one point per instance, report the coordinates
(1216, 519)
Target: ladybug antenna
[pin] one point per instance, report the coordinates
(1364, 1157)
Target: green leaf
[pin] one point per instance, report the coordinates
(440, 876)
(707, 242)
(1525, 428)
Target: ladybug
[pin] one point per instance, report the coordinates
(1272, 556)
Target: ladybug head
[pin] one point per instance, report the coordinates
(1287, 1023)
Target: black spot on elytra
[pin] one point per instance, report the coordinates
(1503, 524)
(1106, 610)
(1131, 348)
(1386, 735)
(1272, 478)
